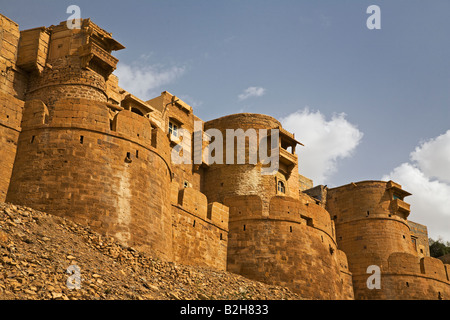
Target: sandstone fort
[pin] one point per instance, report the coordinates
(76, 145)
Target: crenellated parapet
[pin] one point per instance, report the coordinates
(273, 248)
(408, 277)
(75, 144)
(200, 229)
(99, 165)
(373, 230)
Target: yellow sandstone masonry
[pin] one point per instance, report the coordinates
(75, 144)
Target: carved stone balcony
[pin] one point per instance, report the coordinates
(401, 207)
(93, 55)
(288, 161)
(287, 158)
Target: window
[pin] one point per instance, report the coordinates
(173, 129)
(281, 187)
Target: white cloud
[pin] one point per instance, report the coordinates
(427, 177)
(326, 142)
(142, 80)
(433, 157)
(252, 92)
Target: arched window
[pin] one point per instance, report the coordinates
(281, 187)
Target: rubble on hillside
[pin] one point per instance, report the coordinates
(37, 251)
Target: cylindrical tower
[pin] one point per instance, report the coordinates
(83, 158)
(371, 225)
(233, 179)
(276, 235)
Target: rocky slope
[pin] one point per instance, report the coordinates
(40, 254)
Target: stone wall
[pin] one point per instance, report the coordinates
(113, 181)
(74, 144)
(408, 277)
(200, 230)
(293, 246)
(371, 230)
(12, 86)
(419, 233)
(13, 80)
(66, 79)
(10, 118)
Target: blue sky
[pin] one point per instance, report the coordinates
(378, 95)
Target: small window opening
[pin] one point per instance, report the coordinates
(368, 213)
(309, 221)
(173, 129)
(244, 227)
(290, 229)
(407, 284)
(32, 139)
(281, 187)
(81, 139)
(221, 238)
(194, 224)
(137, 154)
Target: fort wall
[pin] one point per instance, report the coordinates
(13, 80)
(75, 144)
(408, 277)
(372, 228)
(10, 118)
(293, 247)
(76, 166)
(12, 86)
(200, 230)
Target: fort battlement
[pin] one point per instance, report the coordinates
(411, 277)
(372, 227)
(75, 144)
